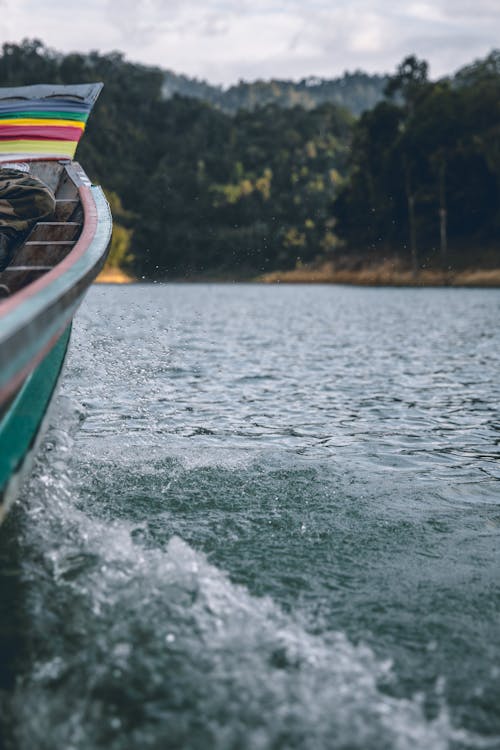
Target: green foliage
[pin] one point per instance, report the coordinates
(424, 173)
(356, 92)
(193, 189)
(227, 190)
(410, 80)
(253, 182)
(120, 254)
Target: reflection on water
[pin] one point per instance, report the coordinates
(266, 517)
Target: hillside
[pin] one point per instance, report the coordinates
(198, 192)
(356, 91)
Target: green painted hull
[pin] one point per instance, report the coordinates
(22, 424)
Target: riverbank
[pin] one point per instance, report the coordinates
(384, 274)
(114, 276)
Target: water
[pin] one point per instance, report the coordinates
(264, 517)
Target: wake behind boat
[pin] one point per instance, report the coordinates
(51, 268)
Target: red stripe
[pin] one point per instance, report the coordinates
(39, 132)
(19, 378)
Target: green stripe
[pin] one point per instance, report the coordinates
(21, 423)
(80, 116)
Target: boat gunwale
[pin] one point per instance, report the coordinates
(41, 311)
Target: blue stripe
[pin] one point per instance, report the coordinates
(44, 105)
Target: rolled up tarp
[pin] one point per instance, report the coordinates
(44, 121)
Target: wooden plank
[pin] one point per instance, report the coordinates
(45, 243)
(16, 280)
(66, 187)
(48, 172)
(65, 208)
(41, 254)
(28, 268)
(54, 230)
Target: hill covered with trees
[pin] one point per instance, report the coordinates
(197, 192)
(356, 92)
(201, 191)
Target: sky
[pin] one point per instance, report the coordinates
(223, 41)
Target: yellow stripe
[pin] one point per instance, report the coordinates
(33, 121)
(65, 148)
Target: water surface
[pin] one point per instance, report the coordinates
(265, 517)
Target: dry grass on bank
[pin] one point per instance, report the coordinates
(386, 273)
(114, 276)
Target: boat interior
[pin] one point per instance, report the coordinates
(49, 241)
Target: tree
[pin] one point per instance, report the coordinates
(409, 81)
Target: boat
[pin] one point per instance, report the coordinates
(50, 271)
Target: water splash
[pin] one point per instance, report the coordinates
(156, 647)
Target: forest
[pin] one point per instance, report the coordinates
(199, 192)
(357, 92)
(423, 178)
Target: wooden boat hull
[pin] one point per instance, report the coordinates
(52, 268)
(33, 319)
(36, 319)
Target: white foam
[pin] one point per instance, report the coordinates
(170, 631)
(122, 629)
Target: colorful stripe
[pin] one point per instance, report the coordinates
(34, 133)
(42, 105)
(44, 120)
(28, 114)
(60, 122)
(13, 148)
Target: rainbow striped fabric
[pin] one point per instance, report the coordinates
(44, 121)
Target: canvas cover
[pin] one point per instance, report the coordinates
(44, 121)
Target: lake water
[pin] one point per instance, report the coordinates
(263, 517)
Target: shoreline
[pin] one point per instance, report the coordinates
(385, 274)
(114, 276)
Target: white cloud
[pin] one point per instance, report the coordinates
(427, 12)
(223, 40)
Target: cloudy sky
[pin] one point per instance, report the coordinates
(224, 40)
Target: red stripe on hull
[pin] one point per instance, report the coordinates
(19, 378)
